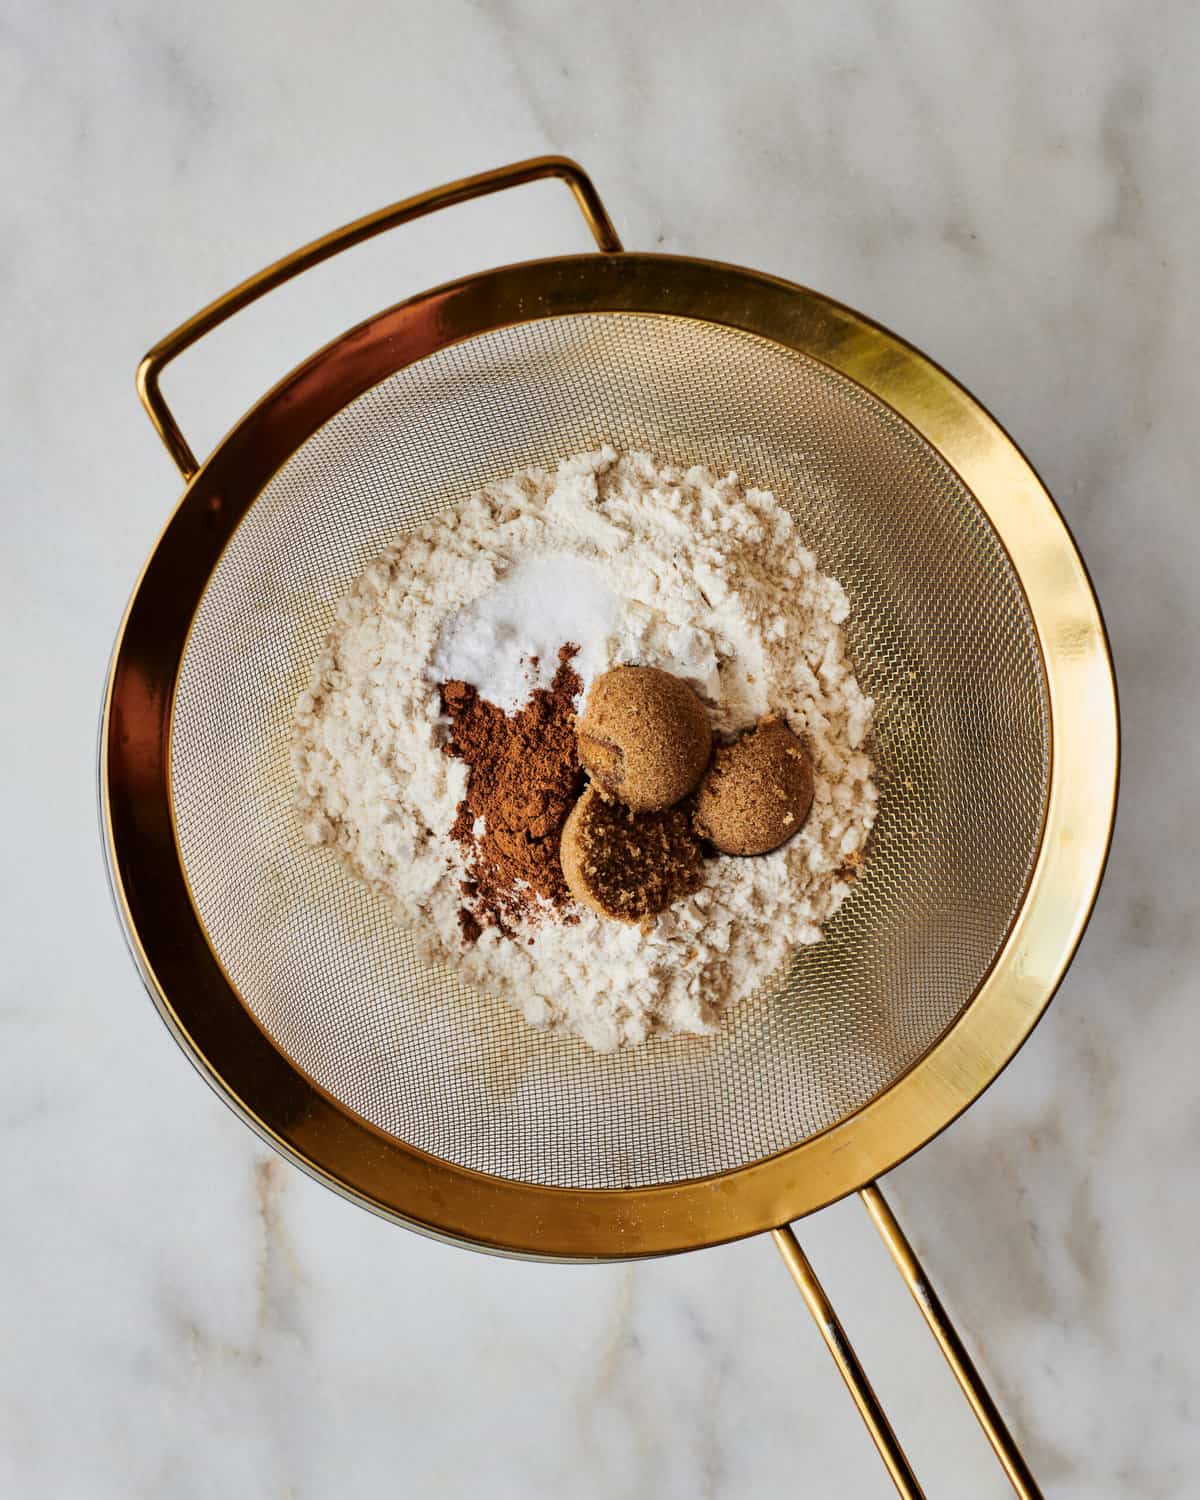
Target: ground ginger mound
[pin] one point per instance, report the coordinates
(758, 790)
(524, 778)
(644, 737)
(625, 864)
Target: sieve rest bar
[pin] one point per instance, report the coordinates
(848, 1364)
(354, 233)
(951, 1345)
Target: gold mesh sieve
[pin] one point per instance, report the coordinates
(973, 627)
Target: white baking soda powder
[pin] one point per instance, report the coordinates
(538, 606)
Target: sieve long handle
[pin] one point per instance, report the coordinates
(952, 1347)
(847, 1362)
(355, 233)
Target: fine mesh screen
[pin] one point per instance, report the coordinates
(941, 638)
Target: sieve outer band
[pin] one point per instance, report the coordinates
(517, 1218)
(355, 233)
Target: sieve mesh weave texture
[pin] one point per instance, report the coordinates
(941, 638)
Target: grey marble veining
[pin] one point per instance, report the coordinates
(1010, 186)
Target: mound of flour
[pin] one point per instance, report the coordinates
(698, 575)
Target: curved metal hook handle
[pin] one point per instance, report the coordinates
(331, 244)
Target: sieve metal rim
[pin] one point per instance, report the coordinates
(457, 1203)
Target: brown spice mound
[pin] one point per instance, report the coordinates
(627, 864)
(757, 792)
(524, 777)
(644, 736)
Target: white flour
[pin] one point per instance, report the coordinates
(688, 572)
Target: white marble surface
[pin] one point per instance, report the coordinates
(1013, 187)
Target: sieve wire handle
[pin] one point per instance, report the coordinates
(852, 1372)
(328, 245)
(953, 1349)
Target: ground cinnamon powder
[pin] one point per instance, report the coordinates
(524, 779)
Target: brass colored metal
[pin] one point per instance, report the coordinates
(348, 235)
(430, 1192)
(847, 1362)
(951, 1345)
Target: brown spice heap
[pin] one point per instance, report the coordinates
(758, 790)
(644, 737)
(625, 864)
(524, 777)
